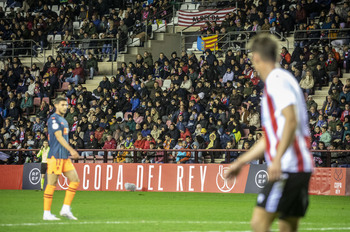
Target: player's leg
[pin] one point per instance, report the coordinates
(48, 195)
(72, 175)
(43, 172)
(261, 220)
(42, 181)
(73, 185)
(289, 224)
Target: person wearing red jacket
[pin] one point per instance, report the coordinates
(148, 141)
(110, 143)
(77, 75)
(52, 68)
(184, 134)
(140, 141)
(286, 57)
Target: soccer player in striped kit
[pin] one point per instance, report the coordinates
(285, 144)
(58, 161)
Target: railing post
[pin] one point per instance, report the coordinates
(31, 52)
(20, 157)
(44, 55)
(111, 55)
(146, 36)
(135, 156)
(173, 18)
(105, 156)
(196, 156)
(328, 159)
(166, 156)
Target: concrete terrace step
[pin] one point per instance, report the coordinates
(321, 95)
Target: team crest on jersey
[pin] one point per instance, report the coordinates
(54, 125)
(65, 131)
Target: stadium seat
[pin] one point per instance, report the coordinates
(192, 6)
(46, 99)
(89, 159)
(136, 42)
(50, 38)
(64, 87)
(76, 25)
(37, 101)
(195, 46)
(166, 84)
(184, 7)
(55, 8)
(58, 38)
(162, 28)
(98, 159)
(119, 115)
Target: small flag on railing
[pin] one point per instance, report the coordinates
(200, 44)
(208, 42)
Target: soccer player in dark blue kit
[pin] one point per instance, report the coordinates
(58, 161)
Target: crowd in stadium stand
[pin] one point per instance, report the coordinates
(175, 100)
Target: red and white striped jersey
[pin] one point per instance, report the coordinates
(282, 90)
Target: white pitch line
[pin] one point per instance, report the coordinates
(165, 222)
(304, 229)
(120, 222)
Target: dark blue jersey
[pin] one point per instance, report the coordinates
(56, 123)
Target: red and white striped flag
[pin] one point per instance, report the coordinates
(187, 18)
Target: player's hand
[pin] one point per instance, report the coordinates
(233, 171)
(75, 154)
(274, 171)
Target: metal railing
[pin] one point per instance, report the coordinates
(323, 35)
(11, 49)
(135, 155)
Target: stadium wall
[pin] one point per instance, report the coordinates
(171, 178)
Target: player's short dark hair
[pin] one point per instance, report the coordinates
(265, 45)
(59, 99)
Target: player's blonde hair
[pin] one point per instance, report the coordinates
(266, 46)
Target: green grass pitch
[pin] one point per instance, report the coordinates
(154, 211)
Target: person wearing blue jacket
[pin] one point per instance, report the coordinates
(135, 102)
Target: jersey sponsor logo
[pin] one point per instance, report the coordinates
(261, 178)
(34, 176)
(65, 131)
(64, 184)
(223, 184)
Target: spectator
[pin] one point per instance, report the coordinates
(27, 103)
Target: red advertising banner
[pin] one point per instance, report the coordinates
(11, 176)
(177, 178)
(157, 177)
(329, 181)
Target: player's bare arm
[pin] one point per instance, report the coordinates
(288, 136)
(64, 143)
(256, 152)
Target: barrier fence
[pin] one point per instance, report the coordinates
(171, 178)
(329, 157)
